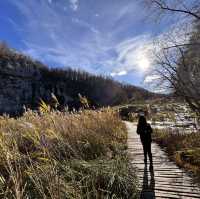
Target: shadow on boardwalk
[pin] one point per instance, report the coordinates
(148, 186)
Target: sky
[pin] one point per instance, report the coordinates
(109, 37)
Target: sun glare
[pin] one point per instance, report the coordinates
(144, 64)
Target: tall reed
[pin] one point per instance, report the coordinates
(61, 155)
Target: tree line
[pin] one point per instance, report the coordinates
(98, 89)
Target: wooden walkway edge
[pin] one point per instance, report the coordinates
(166, 180)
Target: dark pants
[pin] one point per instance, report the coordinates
(147, 150)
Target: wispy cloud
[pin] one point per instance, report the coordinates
(74, 4)
(85, 24)
(133, 52)
(97, 40)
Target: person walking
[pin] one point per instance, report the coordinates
(144, 130)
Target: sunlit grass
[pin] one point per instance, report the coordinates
(62, 155)
(182, 147)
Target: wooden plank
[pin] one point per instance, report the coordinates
(180, 193)
(179, 190)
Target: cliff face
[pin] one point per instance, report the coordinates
(23, 82)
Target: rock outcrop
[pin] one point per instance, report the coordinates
(23, 83)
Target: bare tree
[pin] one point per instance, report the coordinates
(176, 53)
(179, 74)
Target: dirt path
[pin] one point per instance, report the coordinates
(167, 180)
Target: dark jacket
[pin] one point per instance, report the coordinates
(145, 133)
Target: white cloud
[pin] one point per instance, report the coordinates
(161, 90)
(50, 1)
(133, 54)
(155, 83)
(74, 4)
(118, 73)
(150, 78)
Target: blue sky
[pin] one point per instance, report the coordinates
(110, 37)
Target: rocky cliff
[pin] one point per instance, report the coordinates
(24, 81)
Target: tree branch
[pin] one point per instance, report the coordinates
(165, 7)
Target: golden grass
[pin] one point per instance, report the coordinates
(61, 155)
(181, 147)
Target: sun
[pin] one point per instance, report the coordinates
(143, 63)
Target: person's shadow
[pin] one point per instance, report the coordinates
(148, 187)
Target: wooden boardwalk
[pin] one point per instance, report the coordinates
(166, 180)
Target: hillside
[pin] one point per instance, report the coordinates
(25, 81)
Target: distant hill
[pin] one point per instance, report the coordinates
(24, 81)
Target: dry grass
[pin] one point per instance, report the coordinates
(181, 147)
(60, 155)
